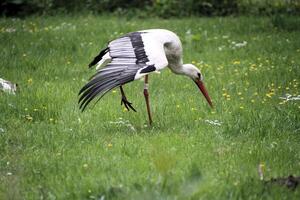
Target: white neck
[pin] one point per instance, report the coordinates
(186, 69)
(179, 69)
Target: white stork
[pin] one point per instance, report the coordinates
(133, 56)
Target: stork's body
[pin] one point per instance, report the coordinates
(162, 48)
(134, 56)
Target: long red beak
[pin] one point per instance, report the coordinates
(202, 88)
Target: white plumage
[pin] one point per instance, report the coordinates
(7, 86)
(134, 56)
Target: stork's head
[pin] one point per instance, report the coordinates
(194, 73)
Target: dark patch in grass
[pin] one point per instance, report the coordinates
(284, 22)
(290, 182)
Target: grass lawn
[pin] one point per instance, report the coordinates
(50, 150)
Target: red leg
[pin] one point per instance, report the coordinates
(146, 94)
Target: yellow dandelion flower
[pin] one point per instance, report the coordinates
(236, 183)
(269, 95)
(28, 117)
(29, 81)
(236, 62)
(109, 145)
(177, 106)
(85, 165)
(114, 91)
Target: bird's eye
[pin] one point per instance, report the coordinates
(199, 75)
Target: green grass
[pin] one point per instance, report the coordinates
(50, 150)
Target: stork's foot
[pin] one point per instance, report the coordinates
(124, 101)
(127, 104)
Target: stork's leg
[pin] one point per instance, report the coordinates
(124, 100)
(146, 94)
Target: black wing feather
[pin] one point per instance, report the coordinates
(100, 84)
(98, 57)
(128, 57)
(98, 91)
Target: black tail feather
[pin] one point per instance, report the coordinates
(99, 57)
